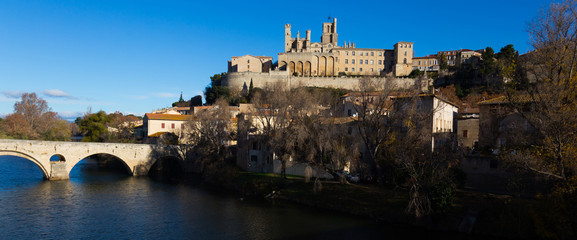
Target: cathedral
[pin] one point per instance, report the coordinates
(321, 64)
(326, 58)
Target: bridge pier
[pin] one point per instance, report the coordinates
(140, 170)
(58, 171)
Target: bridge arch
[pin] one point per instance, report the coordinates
(103, 156)
(57, 158)
(26, 156)
(166, 166)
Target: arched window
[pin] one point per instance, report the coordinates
(404, 60)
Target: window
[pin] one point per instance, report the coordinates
(353, 61)
(372, 62)
(361, 53)
(162, 125)
(371, 70)
(346, 69)
(349, 112)
(380, 62)
(361, 61)
(352, 69)
(353, 53)
(465, 133)
(405, 53)
(253, 158)
(360, 69)
(172, 125)
(254, 145)
(372, 54)
(380, 54)
(366, 61)
(405, 61)
(380, 69)
(347, 53)
(346, 61)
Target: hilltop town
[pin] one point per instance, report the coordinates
(436, 128)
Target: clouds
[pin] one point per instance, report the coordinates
(51, 93)
(12, 94)
(57, 93)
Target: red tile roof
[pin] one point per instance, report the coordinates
(173, 117)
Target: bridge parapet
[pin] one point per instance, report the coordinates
(138, 158)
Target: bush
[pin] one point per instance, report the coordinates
(442, 195)
(458, 176)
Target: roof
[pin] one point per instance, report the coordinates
(430, 56)
(362, 49)
(360, 94)
(172, 117)
(505, 100)
(157, 134)
(428, 95)
(262, 57)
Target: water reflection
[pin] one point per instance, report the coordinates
(111, 205)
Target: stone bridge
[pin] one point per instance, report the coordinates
(138, 158)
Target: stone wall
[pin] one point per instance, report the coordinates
(237, 81)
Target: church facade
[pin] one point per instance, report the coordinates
(326, 58)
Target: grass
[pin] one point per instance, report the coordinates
(497, 215)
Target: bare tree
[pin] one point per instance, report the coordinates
(32, 119)
(549, 105)
(323, 139)
(373, 107)
(411, 149)
(210, 131)
(273, 114)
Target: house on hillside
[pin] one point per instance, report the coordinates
(440, 122)
(468, 128)
(157, 124)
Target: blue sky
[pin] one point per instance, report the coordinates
(137, 56)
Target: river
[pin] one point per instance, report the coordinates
(96, 204)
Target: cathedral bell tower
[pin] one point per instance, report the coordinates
(330, 33)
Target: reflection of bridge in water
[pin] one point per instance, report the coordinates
(137, 158)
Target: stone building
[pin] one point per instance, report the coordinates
(326, 58)
(248, 63)
(324, 64)
(158, 124)
(440, 125)
(427, 63)
(468, 126)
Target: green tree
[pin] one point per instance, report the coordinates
(507, 60)
(94, 127)
(488, 65)
(443, 63)
(215, 91)
(196, 101)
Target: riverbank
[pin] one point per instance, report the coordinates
(479, 214)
